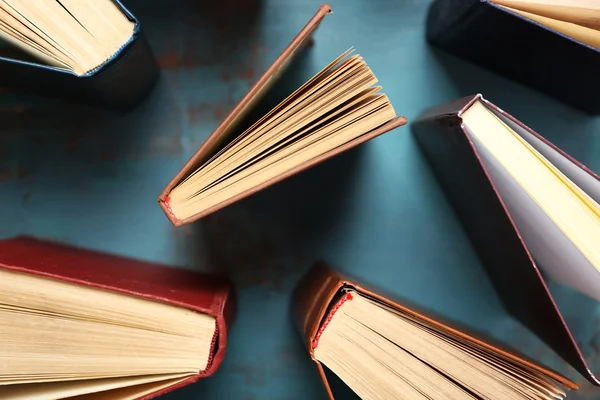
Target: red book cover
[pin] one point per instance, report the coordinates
(28, 258)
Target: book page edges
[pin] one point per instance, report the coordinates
(221, 305)
(447, 130)
(176, 385)
(492, 106)
(562, 11)
(255, 90)
(388, 126)
(320, 287)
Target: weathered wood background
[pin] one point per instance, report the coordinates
(91, 178)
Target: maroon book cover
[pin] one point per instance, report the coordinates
(201, 293)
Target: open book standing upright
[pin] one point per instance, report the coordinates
(339, 108)
(524, 204)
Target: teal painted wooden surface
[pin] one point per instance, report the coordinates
(90, 178)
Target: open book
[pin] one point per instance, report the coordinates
(579, 19)
(554, 202)
(530, 210)
(75, 35)
(385, 350)
(79, 323)
(338, 108)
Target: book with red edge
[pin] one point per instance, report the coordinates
(337, 109)
(77, 323)
(381, 347)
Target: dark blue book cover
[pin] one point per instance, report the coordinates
(119, 83)
(519, 48)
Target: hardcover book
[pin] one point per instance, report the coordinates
(78, 323)
(91, 51)
(339, 108)
(550, 45)
(383, 349)
(524, 204)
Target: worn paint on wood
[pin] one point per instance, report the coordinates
(91, 178)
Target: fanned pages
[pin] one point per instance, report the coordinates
(385, 353)
(76, 35)
(256, 145)
(578, 19)
(93, 337)
(336, 106)
(580, 12)
(75, 323)
(387, 350)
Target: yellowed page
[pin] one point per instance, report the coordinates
(581, 12)
(583, 196)
(291, 156)
(80, 325)
(132, 392)
(79, 34)
(381, 352)
(334, 93)
(578, 221)
(59, 390)
(340, 94)
(577, 32)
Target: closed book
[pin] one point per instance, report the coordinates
(336, 110)
(382, 347)
(531, 211)
(77, 323)
(93, 52)
(550, 45)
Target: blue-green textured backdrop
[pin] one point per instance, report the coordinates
(90, 178)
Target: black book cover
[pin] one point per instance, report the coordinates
(458, 167)
(120, 83)
(518, 48)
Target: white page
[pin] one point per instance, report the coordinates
(549, 246)
(578, 176)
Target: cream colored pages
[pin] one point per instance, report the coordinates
(581, 12)
(549, 246)
(383, 353)
(336, 106)
(581, 33)
(579, 176)
(32, 48)
(573, 211)
(79, 35)
(59, 390)
(93, 339)
(132, 392)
